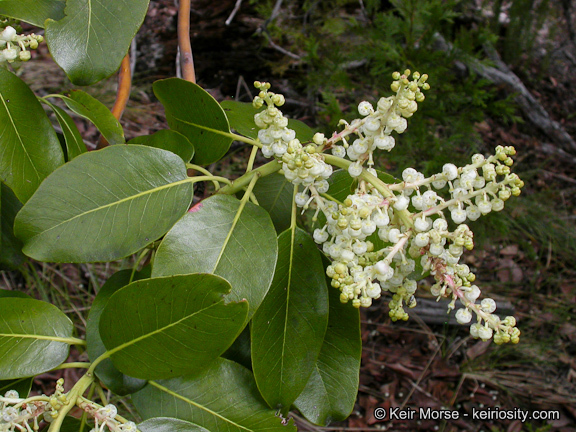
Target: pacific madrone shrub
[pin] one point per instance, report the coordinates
(381, 236)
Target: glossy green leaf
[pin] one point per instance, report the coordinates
(167, 424)
(11, 293)
(33, 11)
(112, 378)
(288, 328)
(239, 351)
(21, 385)
(92, 109)
(331, 392)
(275, 195)
(166, 327)
(74, 143)
(221, 398)
(220, 236)
(170, 140)
(241, 118)
(341, 185)
(34, 337)
(29, 148)
(191, 111)
(11, 255)
(70, 424)
(90, 42)
(105, 205)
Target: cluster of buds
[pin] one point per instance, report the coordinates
(25, 414)
(15, 47)
(375, 129)
(17, 414)
(106, 417)
(301, 165)
(349, 237)
(384, 237)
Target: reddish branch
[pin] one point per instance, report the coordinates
(186, 59)
(122, 95)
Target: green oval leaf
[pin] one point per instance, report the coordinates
(223, 237)
(221, 398)
(74, 143)
(11, 255)
(167, 424)
(21, 385)
(90, 42)
(11, 293)
(29, 147)
(331, 392)
(112, 378)
(70, 424)
(166, 327)
(33, 11)
(170, 140)
(34, 337)
(241, 118)
(275, 194)
(191, 111)
(105, 205)
(92, 109)
(239, 351)
(288, 329)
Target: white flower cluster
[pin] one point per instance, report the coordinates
(14, 47)
(383, 237)
(18, 414)
(475, 190)
(375, 129)
(357, 263)
(106, 417)
(303, 165)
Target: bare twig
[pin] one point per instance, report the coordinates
(502, 75)
(184, 45)
(279, 48)
(234, 11)
(557, 152)
(133, 53)
(275, 12)
(122, 94)
(242, 84)
(264, 29)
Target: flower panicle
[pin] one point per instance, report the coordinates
(383, 237)
(25, 414)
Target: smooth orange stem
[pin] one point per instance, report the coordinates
(124, 86)
(122, 95)
(186, 59)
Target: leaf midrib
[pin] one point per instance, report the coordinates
(39, 337)
(112, 204)
(290, 265)
(159, 330)
(197, 405)
(18, 135)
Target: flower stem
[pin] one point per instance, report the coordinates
(241, 182)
